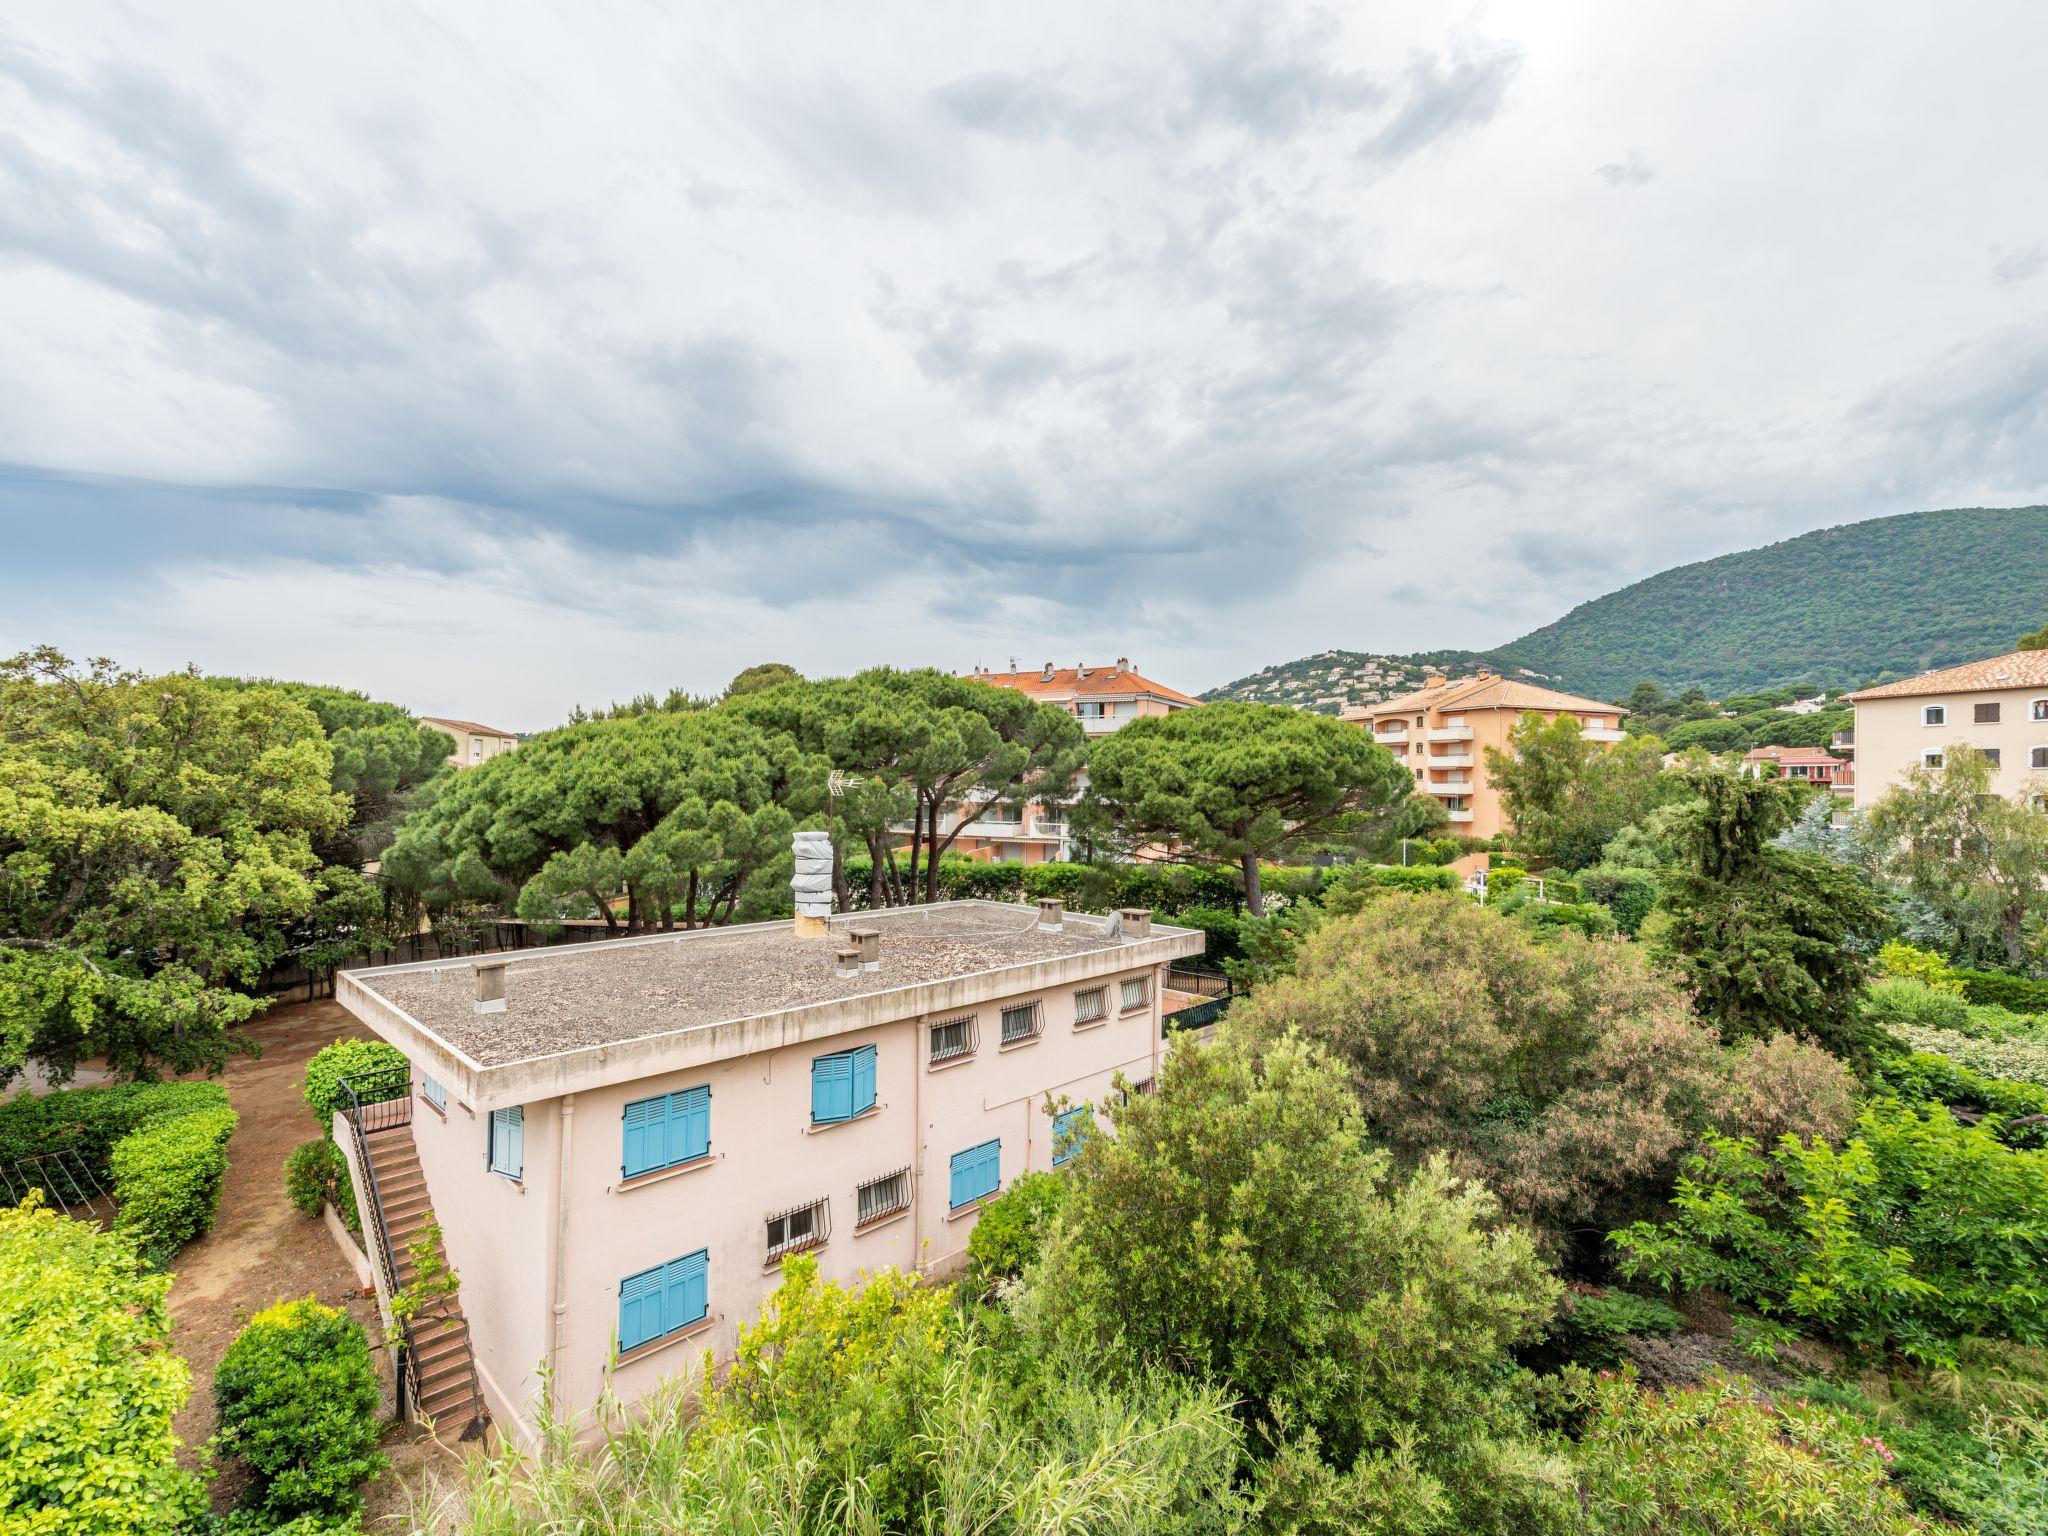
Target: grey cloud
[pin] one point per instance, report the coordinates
(1629, 171)
(2009, 268)
(1439, 100)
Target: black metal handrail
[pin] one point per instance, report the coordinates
(445, 1322)
(367, 1092)
(1200, 981)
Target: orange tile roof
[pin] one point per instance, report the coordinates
(2015, 669)
(466, 725)
(1791, 755)
(1084, 682)
(1490, 693)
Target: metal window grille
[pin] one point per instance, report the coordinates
(881, 1197)
(1020, 1022)
(955, 1038)
(1090, 1005)
(799, 1227)
(1135, 993)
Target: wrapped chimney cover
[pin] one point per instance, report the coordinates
(812, 882)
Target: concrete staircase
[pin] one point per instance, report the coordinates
(442, 1380)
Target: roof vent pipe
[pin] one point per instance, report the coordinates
(868, 941)
(1136, 922)
(812, 882)
(1051, 912)
(490, 986)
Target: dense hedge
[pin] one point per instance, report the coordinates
(2022, 994)
(346, 1058)
(167, 1179)
(1168, 889)
(90, 1120)
(1927, 1078)
(298, 1403)
(88, 1385)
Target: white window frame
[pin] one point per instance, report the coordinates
(1934, 757)
(2037, 709)
(1935, 715)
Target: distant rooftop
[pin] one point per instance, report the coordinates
(2015, 669)
(603, 994)
(1486, 691)
(470, 726)
(1120, 680)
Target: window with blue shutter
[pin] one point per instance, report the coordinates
(667, 1130)
(433, 1093)
(1069, 1130)
(508, 1141)
(976, 1172)
(842, 1085)
(663, 1300)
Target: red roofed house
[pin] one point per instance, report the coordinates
(1812, 765)
(1102, 699)
(473, 743)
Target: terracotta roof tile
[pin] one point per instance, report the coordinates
(1068, 682)
(2015, 669)
(466, 725)
(1491, 693)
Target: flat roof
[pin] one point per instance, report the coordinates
(584, 997)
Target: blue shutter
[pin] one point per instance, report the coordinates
(644, 1122)
(863, 1079)
(962, 1171)
(640, 1308)
(689, 1124)
(1068, 1131)
(687, 1281)
(975, 1172)
(991, 1167)
(508, 1141)
(433, 1092)
(832, 1088)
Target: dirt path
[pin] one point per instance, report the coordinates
(261, 1250)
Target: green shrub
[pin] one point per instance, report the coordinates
(2022, 994)
(1503, 878)
(347, 1058)
(1915, 1233)
(1219, 929)
(1628, 893)
(1592, 1330)
(89, 1121)
(1010, 1228)
(1722, 1459)
(316, 1175)
(1595, 922)
(2016, 1061)
(88, 1385)
(1352, 887)
(1905, 1000)
(297, 1400)
(167, 1179)
(2021, 1109)
(1900, 960)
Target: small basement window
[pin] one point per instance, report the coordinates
(882, 1197)
(954, 1038)
(1020, 1022)
(798, 1228)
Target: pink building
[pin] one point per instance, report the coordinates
(621, 1141)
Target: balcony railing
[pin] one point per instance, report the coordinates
(1458, 815)
(1450, 733)
(1450, 760)
(1602, 733)
(1392, 738)
(1449, 786)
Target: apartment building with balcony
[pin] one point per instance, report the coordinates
(622, 1141)
(1103, 699)
(473, 743)
(1999, 706)
(1442, 729)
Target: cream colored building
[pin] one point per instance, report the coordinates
(1441, 732)
(474, 743)
(1999, 706)
(622, 1141)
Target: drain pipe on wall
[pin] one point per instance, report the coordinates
(566, 1126)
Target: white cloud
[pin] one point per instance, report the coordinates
(553, 356)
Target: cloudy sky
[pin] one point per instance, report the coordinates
(498, 357)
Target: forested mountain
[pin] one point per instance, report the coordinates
(1836, 608)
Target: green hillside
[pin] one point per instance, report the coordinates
(1329, 680)
(1838, 607)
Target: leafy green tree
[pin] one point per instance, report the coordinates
(1238, 784)
(762, 675)
(1567, 796)
(1237, 1228)
(937, 751)
(1767, 938)
(2033, 640)
(1977, 858)
(88, 1384)
(157, 837)
(687, 816)
(1566, 1073)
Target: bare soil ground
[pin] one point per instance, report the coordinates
(261, 1250)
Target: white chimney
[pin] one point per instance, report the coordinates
(812, 882)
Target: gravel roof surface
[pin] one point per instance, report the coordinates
(625, 990)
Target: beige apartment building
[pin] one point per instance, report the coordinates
(622, 1141)
(1999, 706)
(1103, 699)
(1442, 729)
(474, 743)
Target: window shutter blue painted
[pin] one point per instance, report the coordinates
(1068, 1130)
(644, 1119)
(640, 1308)
(962, 1171)
(863, 1080)
(689, 1119)
(508, 1141)
(975, 1172)
(991, 1167)
(832, 1088)
(688, 1286)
